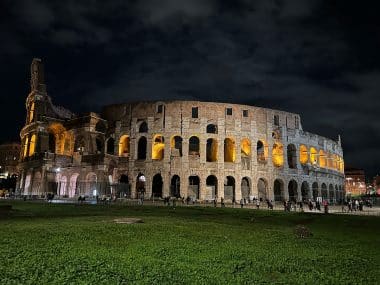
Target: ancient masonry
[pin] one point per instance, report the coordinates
(201, 150)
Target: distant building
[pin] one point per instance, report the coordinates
(355, 181)
(9, 158)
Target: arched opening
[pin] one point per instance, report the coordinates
(261, 152)
(194, 146)
(211, 150)
(278, 189)
(141, 148)
(31, 112)
(91, 185)
(100, 127)
(315, 191)
(292, 190)
(193, 189)
(175, 187)
(278, 155)
(324, 191)
(143, 127)
(78, 145)
(111, 146)
(26, 145)
(32, 145)
(73, 185)
(212, 186)
(305, 191)
(229, 150)
(229, 188)
(211, 129)
(292, 156)
(322, 159)
(124, 145)
(62, 186)
(157, 186)
(123, 188)
(140, 184)
(158, 147)
(304, 157)
(331, 194)
(36, 186)
(245, 149)
(337, 194)
(262, 189)
(245, 188)
(99, 145)
(313, 156)
(52, 143)
(176, 146)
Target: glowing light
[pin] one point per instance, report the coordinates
(304, 157)
(278, 155)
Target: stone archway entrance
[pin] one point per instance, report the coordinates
(212, 187)
(157, 186)
(262, 189)
(175, 185)
(229, 188)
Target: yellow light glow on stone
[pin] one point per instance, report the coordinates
(304, 157)
(278, 154)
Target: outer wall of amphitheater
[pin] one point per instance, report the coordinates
(242, 152)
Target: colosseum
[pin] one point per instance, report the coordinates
(200, 150)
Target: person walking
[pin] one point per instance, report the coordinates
(258, 204)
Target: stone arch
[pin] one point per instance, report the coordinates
(37, 183)
(292, 156)
(212, 186)
(176, 146)
(304, 156)
(158, 147)
(91, 184)
(278, 189)
(111, 146)
(157, 183)
(331, 193)
(245, 188)
(141, 148)
(315, 190)
(278, 154)
(194, 145)
(175, 186)
(79, 143)
(292, 190)
(73, 185)
(324, 191)
(140, 183)
(313, 156)
(32, 144)
(230, 188)
(143, 127)
(27, 185)
(261, 151)
(305, 191)
(99, 144)
(211, 150)
(262, 189)
(124, 145)
(322, 159)
(193, 189)
(62, 186)
(229, 150)
(100, 127)
(212, 129)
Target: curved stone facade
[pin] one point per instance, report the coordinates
(202, 150)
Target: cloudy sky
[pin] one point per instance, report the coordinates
(316, 58)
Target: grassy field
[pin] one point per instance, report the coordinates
(68, 244)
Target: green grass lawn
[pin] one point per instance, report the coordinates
(67, 244)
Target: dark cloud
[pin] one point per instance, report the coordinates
(316, 58)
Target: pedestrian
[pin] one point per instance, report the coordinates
(215, 201)
(222, 202)
(258, 204)
(241, 203)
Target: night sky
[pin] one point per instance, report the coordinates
(317, 58)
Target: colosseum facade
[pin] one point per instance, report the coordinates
(201, 150)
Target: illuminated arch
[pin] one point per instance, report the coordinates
(212, 150)
(32, 145)
(26, 146)
(56, 138)
(245, 147)
(31, 112)
(313, 156)
(304, 157)
(124, 145)
(278, 154)
(322, 159)
(158, 147)
(229, 150)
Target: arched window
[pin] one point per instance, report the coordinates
(79, 144)
(229, 150)
(245, 147)
(141, 148)
(292, 156)
(176, 146)
(111, 146)
(211, 129)
(99, 145)
(278, 155)
(313, 156)
(31, 113)
(52, 143)
(100, 127)
(32, 145)
(194, 146)
(143, 127)
(322, 159)
(158, 147)
(124, 145)
(304, 157)
(211, 150)
(261, 152)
